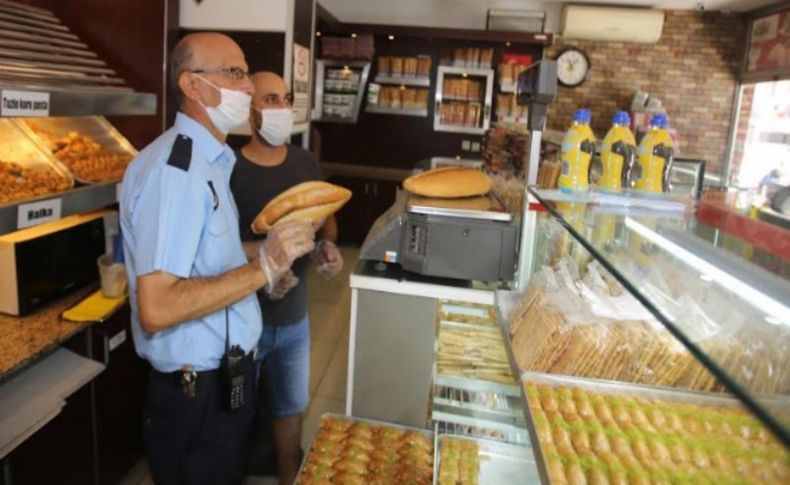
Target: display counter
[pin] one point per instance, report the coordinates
(636, 350)
(393, 316)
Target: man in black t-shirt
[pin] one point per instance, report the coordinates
(264, 168)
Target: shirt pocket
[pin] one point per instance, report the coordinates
(218, 226)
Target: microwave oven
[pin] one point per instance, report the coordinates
(43, 263)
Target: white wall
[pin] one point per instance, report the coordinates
(471, 14)
(256, 15)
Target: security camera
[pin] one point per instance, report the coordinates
(700, 7)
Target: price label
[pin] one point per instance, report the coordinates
(38, 212)
(23, 103)
(117, 340)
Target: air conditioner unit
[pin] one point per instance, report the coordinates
(612, 24)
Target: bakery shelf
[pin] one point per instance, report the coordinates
(75, 201)
(48, 59)
(404, 81)
(688, 315)
(420, 112)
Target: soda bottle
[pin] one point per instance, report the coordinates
(578, 148)
(654, 157)
(617, 154)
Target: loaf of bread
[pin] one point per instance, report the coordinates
(466, 203)
(449, 182)
(308, 201)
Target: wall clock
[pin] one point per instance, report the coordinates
(573, 67)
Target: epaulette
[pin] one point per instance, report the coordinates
(181, 154)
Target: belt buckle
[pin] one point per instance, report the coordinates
(188, 379)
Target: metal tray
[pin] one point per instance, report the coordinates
(621, 388)
(478, 316)
(500, 463)
(456, 208)
(17, 147)
(479, 428)
(478, 399)
(46, 131)
(425, 432)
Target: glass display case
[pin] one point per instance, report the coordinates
(339, 89)
(463, 99)
(645, 352)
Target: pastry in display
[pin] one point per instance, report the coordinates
(472, 353)
(449, 182)
(459, 462)
(556, 329)
(308, 201)
(345, 451)
(590, 437)
(18, 182)
(88, 160)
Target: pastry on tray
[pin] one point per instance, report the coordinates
(349, 452)
(590, 437)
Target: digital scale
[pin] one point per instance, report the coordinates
(472, 238)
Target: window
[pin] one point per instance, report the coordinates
(761, 151)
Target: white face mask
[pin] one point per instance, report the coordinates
(276, 125)
(232, 110)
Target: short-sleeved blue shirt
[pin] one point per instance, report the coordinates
(178, 216)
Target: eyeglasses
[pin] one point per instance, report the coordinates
(237, 74)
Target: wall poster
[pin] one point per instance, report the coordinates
(301, 83)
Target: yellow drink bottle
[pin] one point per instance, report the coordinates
(604, 234)
(654, 157)
(578, 148)
(617, 154)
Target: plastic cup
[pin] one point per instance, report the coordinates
(112, 276)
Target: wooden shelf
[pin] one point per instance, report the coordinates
(421, 112)
(404, 81)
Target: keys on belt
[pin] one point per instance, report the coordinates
(188, 380)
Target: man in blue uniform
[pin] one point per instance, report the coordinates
(266, 167)
(195, 316)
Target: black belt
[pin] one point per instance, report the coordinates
(176, 376)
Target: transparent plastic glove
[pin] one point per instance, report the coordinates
(288, 281)
(327, 258)
(284, 243)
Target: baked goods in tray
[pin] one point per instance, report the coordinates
(88, 160)
(308, 201)
(472, 353)
(577, 327)
(346, 451)
(460, 462)
(449, 182)
(589, 437)
(18, 182)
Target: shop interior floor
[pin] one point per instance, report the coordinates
(329, 306)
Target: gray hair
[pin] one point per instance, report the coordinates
(180, 62)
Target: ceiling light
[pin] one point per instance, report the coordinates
(391, 37)
(353, 36)
(318, 34)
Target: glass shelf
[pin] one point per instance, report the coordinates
(730, 314)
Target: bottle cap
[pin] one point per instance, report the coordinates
(581, 115)
(660, 120)
(621, 118)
